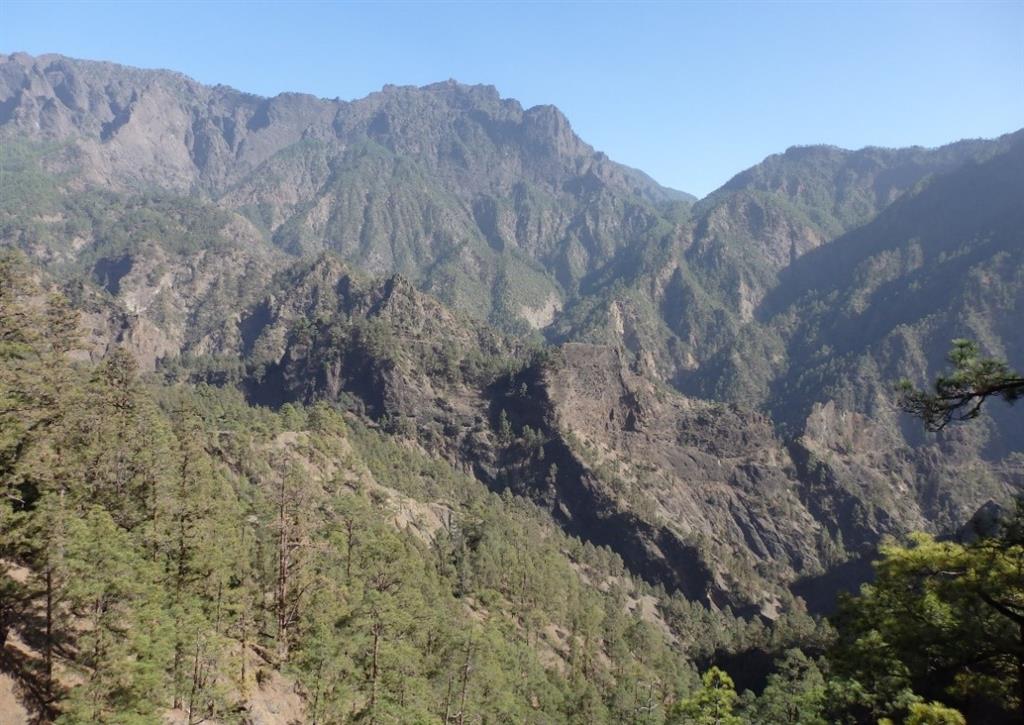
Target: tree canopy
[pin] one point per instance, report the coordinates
(944, 620)
(960, 394)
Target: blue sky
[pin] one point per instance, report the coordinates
(689, 92)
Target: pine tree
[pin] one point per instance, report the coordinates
(38, 388)
(712, 704)
(199, 537)
(124, 640)
(794, 693)
(934, 713)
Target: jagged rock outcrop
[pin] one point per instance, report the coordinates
(701, 497)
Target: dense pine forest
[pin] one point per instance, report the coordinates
(416, 409)
(171, 549)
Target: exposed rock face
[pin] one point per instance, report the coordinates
(456, 188)
(987, 521)
(699, 300)
(152, 128)
(701, 497)
(714, 478)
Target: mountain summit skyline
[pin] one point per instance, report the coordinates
(419, 408)
(688, 92)
(470, 90)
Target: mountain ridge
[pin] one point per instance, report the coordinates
(462, 209)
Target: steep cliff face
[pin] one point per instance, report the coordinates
(129, 127)
(694, 295)
(767, 217)
(501, 211)
(701, 497)
(838, 190)
(164, 275)
(709, 478)
(426, 374)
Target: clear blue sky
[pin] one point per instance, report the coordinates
(689, 92)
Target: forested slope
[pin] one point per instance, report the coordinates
(418, 408)
(169, 549)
